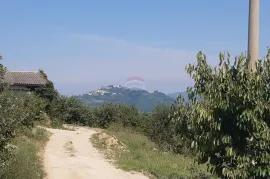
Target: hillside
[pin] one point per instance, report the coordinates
(183, 94)
(175, 95)
(142, 99)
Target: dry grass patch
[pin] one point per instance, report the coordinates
(134, 152)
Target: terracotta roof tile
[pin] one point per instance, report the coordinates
(24, 78)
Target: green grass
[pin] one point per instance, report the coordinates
(28, 161)
(53, 123)
(142, 156)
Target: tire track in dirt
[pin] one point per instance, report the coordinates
(70, 155)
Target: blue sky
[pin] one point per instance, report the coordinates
(85, 44)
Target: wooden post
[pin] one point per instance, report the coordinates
(253, 32)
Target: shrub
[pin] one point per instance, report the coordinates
(27, 163)
(230, 127)
(164, 130)
(11, 115)
(16, 109)
(33, 107)
(121, 114)
(47, 92)
(129, 116)
(160, 128)
(104, 115)
(70, 110)
(3, 70)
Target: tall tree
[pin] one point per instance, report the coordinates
(230, 128)
(2, 74)
(48, 91)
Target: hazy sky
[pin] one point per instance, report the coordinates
(84, 44)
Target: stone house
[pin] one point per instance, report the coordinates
(24, 80)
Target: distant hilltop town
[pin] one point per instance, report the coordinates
(115, 90)
(144, 100)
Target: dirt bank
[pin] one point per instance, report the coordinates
(70, 155)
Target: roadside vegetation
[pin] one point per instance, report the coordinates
(27, 163)
(224, 132)
(132, 151)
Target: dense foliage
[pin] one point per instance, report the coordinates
(2, 73)
(10, 118)
(8, 122)
(122, 114)
(160, 127)
(225, 122)
(70, 110)
(47, 92)
(16, 111)
(230, 128)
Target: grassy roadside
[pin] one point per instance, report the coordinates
(137, 153)
(56, 124)
(28, 160)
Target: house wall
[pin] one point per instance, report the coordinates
(19, 88)
(22, 88)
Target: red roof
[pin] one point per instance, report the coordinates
(134, 78)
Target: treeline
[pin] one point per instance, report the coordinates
(228, 129)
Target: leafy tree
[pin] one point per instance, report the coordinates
(160, 127)
(230, 127)
(128, 115)
(76, 112)
(2, 73)
(12, 113)
(104, 115)
(121, 114)
(165, 131)
(70, 110)
(47, 92)
(33, 106)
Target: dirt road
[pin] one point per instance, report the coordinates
(70, 155)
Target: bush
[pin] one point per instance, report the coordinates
(33, 107)
(27, 163)
(129, 116)
(47, 92)
(160, 127)
(230, 127)
(104, 115)
(11, 115)
(3, 70)
(16, 110)
(70, 110)
(122, 114)
(164, 130)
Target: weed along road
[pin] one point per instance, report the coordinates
(70, 155)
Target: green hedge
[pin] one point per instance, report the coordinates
(16, 110)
